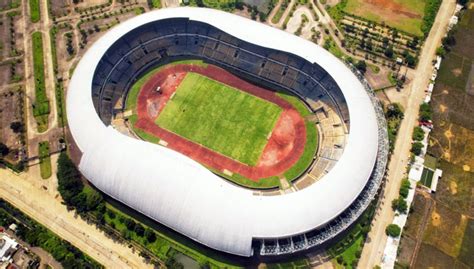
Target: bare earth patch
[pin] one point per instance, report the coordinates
(466, 168)
(435, 219)
(453, 187)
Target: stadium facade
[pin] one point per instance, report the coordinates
(181, 193)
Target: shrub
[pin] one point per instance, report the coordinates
(400, 205)
(150, 235)
(111, 214)
(425, 112)
(418, 134)
(393, 230)
(4, 150)
(17, 127)
(139, 230)
(361, 66)
(416, 148)
(404, 188)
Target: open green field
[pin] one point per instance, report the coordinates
(45, 159)
(196, 112)
(34, 10)
(41, 105)
(131, 102)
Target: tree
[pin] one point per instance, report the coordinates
(425, 112)
(404, 188)
(416, 148)
(69, 179)
(388, 52)
(418, 134)
(440, 51)
(400, 205)
(139, 230)
(4, 150)
(130, 224)
(361, 66)
(150, 235)
(410, 60)
(394, 110)
(17, 127)
(393, 230)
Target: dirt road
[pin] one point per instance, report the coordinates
(374, 247)
(44, 208)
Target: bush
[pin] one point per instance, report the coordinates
(404, 188)
(418, 134)
(17, 127)
(400, 205)
(416, 148)
(130, 224)
(111, 214)
(393, 230)
(425, 112)
(361, 66)
(139, 230)
(150, 235)
(4, 150)
(394, 110)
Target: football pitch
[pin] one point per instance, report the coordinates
(221, 118)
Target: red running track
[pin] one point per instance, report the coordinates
(284, 147)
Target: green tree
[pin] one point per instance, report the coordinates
(361, 66)
(418, 134)
(400, 205)
(150, 235)
(139, 230)
(416, 148)
(393, 230)
(4, 150)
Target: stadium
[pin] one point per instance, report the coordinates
(194, 143)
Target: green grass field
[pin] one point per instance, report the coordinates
(132, 96)
(34, 10)
(41, 106)
(45, 160)
(196, 112)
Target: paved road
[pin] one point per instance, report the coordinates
(373, 249)
(44, 208)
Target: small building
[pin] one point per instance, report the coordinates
(8, 246)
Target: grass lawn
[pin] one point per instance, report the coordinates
(132, 95)
(41, 105)
(467, 246)
(45, 159)
(196, 112)
(35, 10)
(166, 241)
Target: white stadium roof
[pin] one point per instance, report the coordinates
(181, 193)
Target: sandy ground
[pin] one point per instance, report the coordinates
(373, 249)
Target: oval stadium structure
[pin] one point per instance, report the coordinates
(181, 193)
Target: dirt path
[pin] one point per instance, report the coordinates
(44, 208)
(374, 247)
(283, 17)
